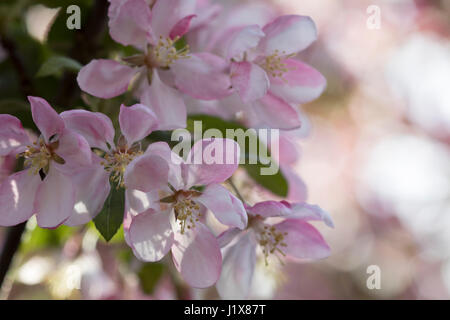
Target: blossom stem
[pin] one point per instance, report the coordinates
(11, 245)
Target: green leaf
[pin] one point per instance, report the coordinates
(275, 183)
(56, 65)
(149, 276)
(109, 220)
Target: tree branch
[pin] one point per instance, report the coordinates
(12, 243)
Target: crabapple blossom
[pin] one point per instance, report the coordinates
(293, 237)
(47, 185)
(166, 70)
(175, 222)
(126, 163)
(264, 74)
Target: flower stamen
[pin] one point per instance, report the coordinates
(164, 53)
(271, 242)
(274, 64)
(187, 212)
(116, 163)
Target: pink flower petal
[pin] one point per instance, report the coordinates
(17, 194)
(12, 135)
(136, 122)
(311, 212)
(288, 34)
(202, 76)
(151, 235)
(238, 40)
(166, 103)
(276, 113)
(226, 237)
(212, 161)
(163, 150)
(226, 208)
(181, 27)
(74, 149)
(46, 118)
(130, 25)
(303, 240)
(250, 80)
(105, 78)
(301, 84)
(55, 199)
(166, 14)
(92, 189)
(147, 173)
(268, 209)
(238, 268)
(95, 127)
(196, 255)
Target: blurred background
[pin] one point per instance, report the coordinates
(376, 156)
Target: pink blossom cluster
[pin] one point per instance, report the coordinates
(234, 62)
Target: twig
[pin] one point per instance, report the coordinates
(84, 49)
(12, 243)
(26, 84)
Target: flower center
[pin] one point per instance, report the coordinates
(116, 163)
(164, 53)
(187, 212)
(39, 155)
(274, 64)
(271, 241)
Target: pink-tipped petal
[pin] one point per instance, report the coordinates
(181, 27)
(300, 84)
(276, 113)
(238, 40)
(212, 161)
(151, 235)
(74, 149)
(311, 212)
(303, 240)
(163, 150)
(167, 103)
(268, 209)
(12, 135)
(287, 35)
(226, 208)
(166, 14)
(238, 268)
(95, 127)
(250, 80)
(196, 255)
(136, 122)
(55, 199)
(105, 78)
(46, 118)
(130, 25)
(92, 189)
(17, 194)
(147, 173)
(203, 76)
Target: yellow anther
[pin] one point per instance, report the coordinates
(274, 64)
(39, 155)
(271, 241)
(187, 212)
(164, 53)
(116, 164)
